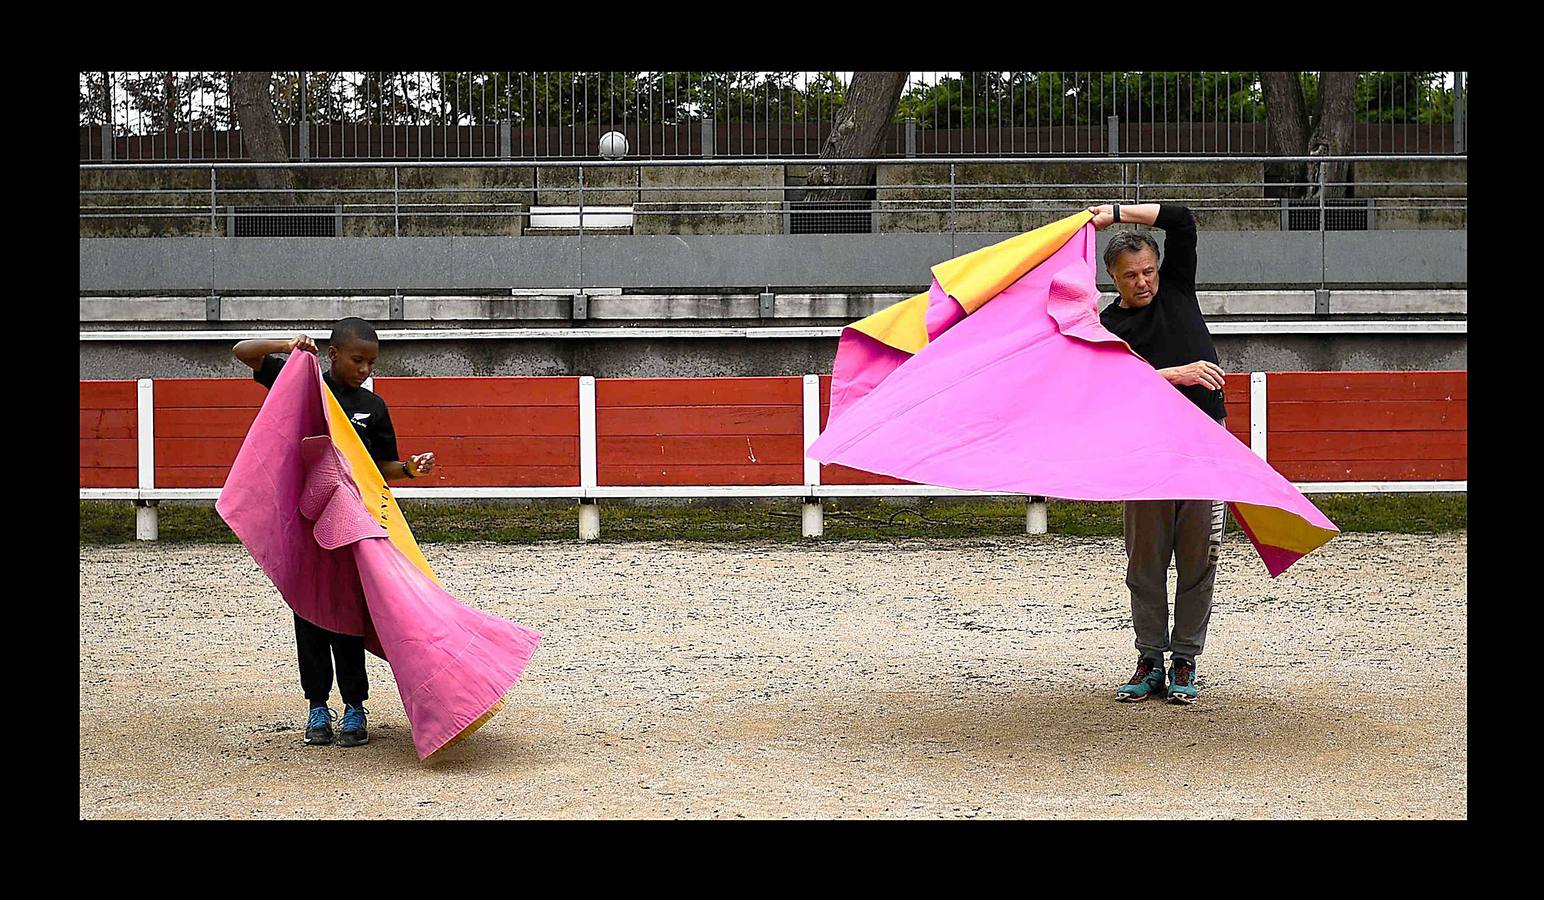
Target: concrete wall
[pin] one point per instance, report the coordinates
(1228, 259)
(680, 357)
(912, 198)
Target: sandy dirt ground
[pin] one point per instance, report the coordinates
(960, 679)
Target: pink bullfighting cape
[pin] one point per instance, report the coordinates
(1001, 378)
(311, 506)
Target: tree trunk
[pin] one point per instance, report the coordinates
(260, 133)
(1287, 118)
(860, 129)
(1334, 131)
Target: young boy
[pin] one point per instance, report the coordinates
(352, 350)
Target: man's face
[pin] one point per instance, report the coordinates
(1136, 277)
(353, 361)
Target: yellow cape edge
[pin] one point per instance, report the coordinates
(1279, 528)
(972, 279)
(900, 325)
(372, 487)
(977, 277)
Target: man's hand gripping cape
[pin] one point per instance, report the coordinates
(311, 506)
(1030, 394)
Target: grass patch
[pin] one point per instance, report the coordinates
(776, 520)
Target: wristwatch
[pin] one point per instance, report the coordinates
(1117, 214)
(407, 466)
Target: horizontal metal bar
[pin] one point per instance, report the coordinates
(746, 491)
(1100, 160)
(767, 333)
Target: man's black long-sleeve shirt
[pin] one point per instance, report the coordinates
(1170, 331)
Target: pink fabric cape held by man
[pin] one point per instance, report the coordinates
(311, 506)
(1001, 378)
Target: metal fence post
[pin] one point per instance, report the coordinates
(1113, 140)
(1323, 242)
(305, 126)
(579, 286)
(954, 243)
(396, 219)
(1460, 137)
(911, 137)
(506, 140)
(707, 138)
(109, 148)
(213, 179)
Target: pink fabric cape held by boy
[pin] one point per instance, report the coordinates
(311, 506)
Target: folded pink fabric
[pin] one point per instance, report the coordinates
(292, 499)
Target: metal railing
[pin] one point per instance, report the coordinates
(563, 115)
(913, 195)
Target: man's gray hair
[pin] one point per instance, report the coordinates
(1123, 241)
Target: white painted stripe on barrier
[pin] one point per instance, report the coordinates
(811, 426)
(1381, 487)
(743, 490)
(486, 493)
(109, 493)
(1257, 426)
(146, 408)
(722, 490)
(588, 442)
(513, 334)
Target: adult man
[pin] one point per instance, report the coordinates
(1159, 316)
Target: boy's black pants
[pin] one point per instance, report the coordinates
(318, 649)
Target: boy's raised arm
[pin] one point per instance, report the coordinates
(252, 351)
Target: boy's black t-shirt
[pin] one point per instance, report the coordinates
(1170, 330)
(366, 410)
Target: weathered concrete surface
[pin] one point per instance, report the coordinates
(476, 311)
(924, 679)
(701, 357)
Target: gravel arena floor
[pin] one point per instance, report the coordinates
(925, 679)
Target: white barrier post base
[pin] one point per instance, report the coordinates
(147, 523)
(814, 518)
(1034, 519)
(589, 520)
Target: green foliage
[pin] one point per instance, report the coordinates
(770, 520)
(551, 99)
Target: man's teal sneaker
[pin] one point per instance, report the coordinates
(351, 731)
(319, 725)
(1182, 682)
(1146, 682)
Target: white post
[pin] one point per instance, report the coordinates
(146, 518)
(1034, 519)
(814, 509)
(814, 518)
(1257, 413)
(589, 512)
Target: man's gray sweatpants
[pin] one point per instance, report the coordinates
(1190, 533)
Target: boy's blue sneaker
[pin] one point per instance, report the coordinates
(1146, 682)
(1182, 682)
(351, 731)
(319, 725)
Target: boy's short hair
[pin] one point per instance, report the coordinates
(352, 328)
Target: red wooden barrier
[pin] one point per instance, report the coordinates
(699, 431)
(1368, 426)
(1323, 426)
(109, 434)
(488, 432)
